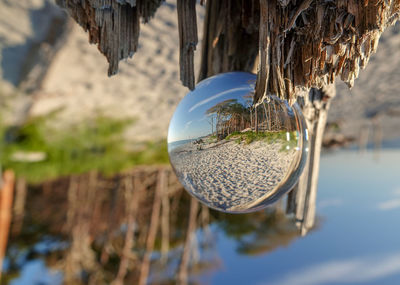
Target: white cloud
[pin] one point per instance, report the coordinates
(187, 125)
(205, 101)
(357, 270)
(329, 203)
(389, 205)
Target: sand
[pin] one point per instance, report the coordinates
(232, 176)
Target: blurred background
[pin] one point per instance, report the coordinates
(91, 198)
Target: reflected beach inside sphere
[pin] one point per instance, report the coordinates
(234, 156)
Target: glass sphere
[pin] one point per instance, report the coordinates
(230, 154)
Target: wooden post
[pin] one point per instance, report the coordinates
(302, 199)
(6, 201)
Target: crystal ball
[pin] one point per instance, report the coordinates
(233, 155)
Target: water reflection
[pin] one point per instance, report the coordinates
(135, 228)
(232, 155)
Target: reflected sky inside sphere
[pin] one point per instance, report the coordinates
(232, 155)
(196, 103)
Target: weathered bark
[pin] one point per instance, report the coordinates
(302, 44)
(264, 50)
(230, 37)
(187, 40)
(312, 42)
(113, 25)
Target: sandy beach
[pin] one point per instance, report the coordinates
(232, 176)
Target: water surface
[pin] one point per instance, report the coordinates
(355, 238)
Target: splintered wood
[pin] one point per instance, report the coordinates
(312, 42)
(230, 36)
(300, 44)
(187, 40)
(113, 25)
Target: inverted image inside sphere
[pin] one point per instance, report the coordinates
(231, 154)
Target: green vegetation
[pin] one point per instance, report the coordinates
(212, 139)
(97, 145)
(251, 136)
(270, 137)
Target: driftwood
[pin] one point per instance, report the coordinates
(230, 37)
(313, 42)
(300, 44)
(187, 40)
(113, 25)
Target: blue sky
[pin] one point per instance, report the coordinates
(190, 120)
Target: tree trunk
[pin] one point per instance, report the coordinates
(309, 43)
(230, 37)
(300, 44)
(302, 199)
(216, 58)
